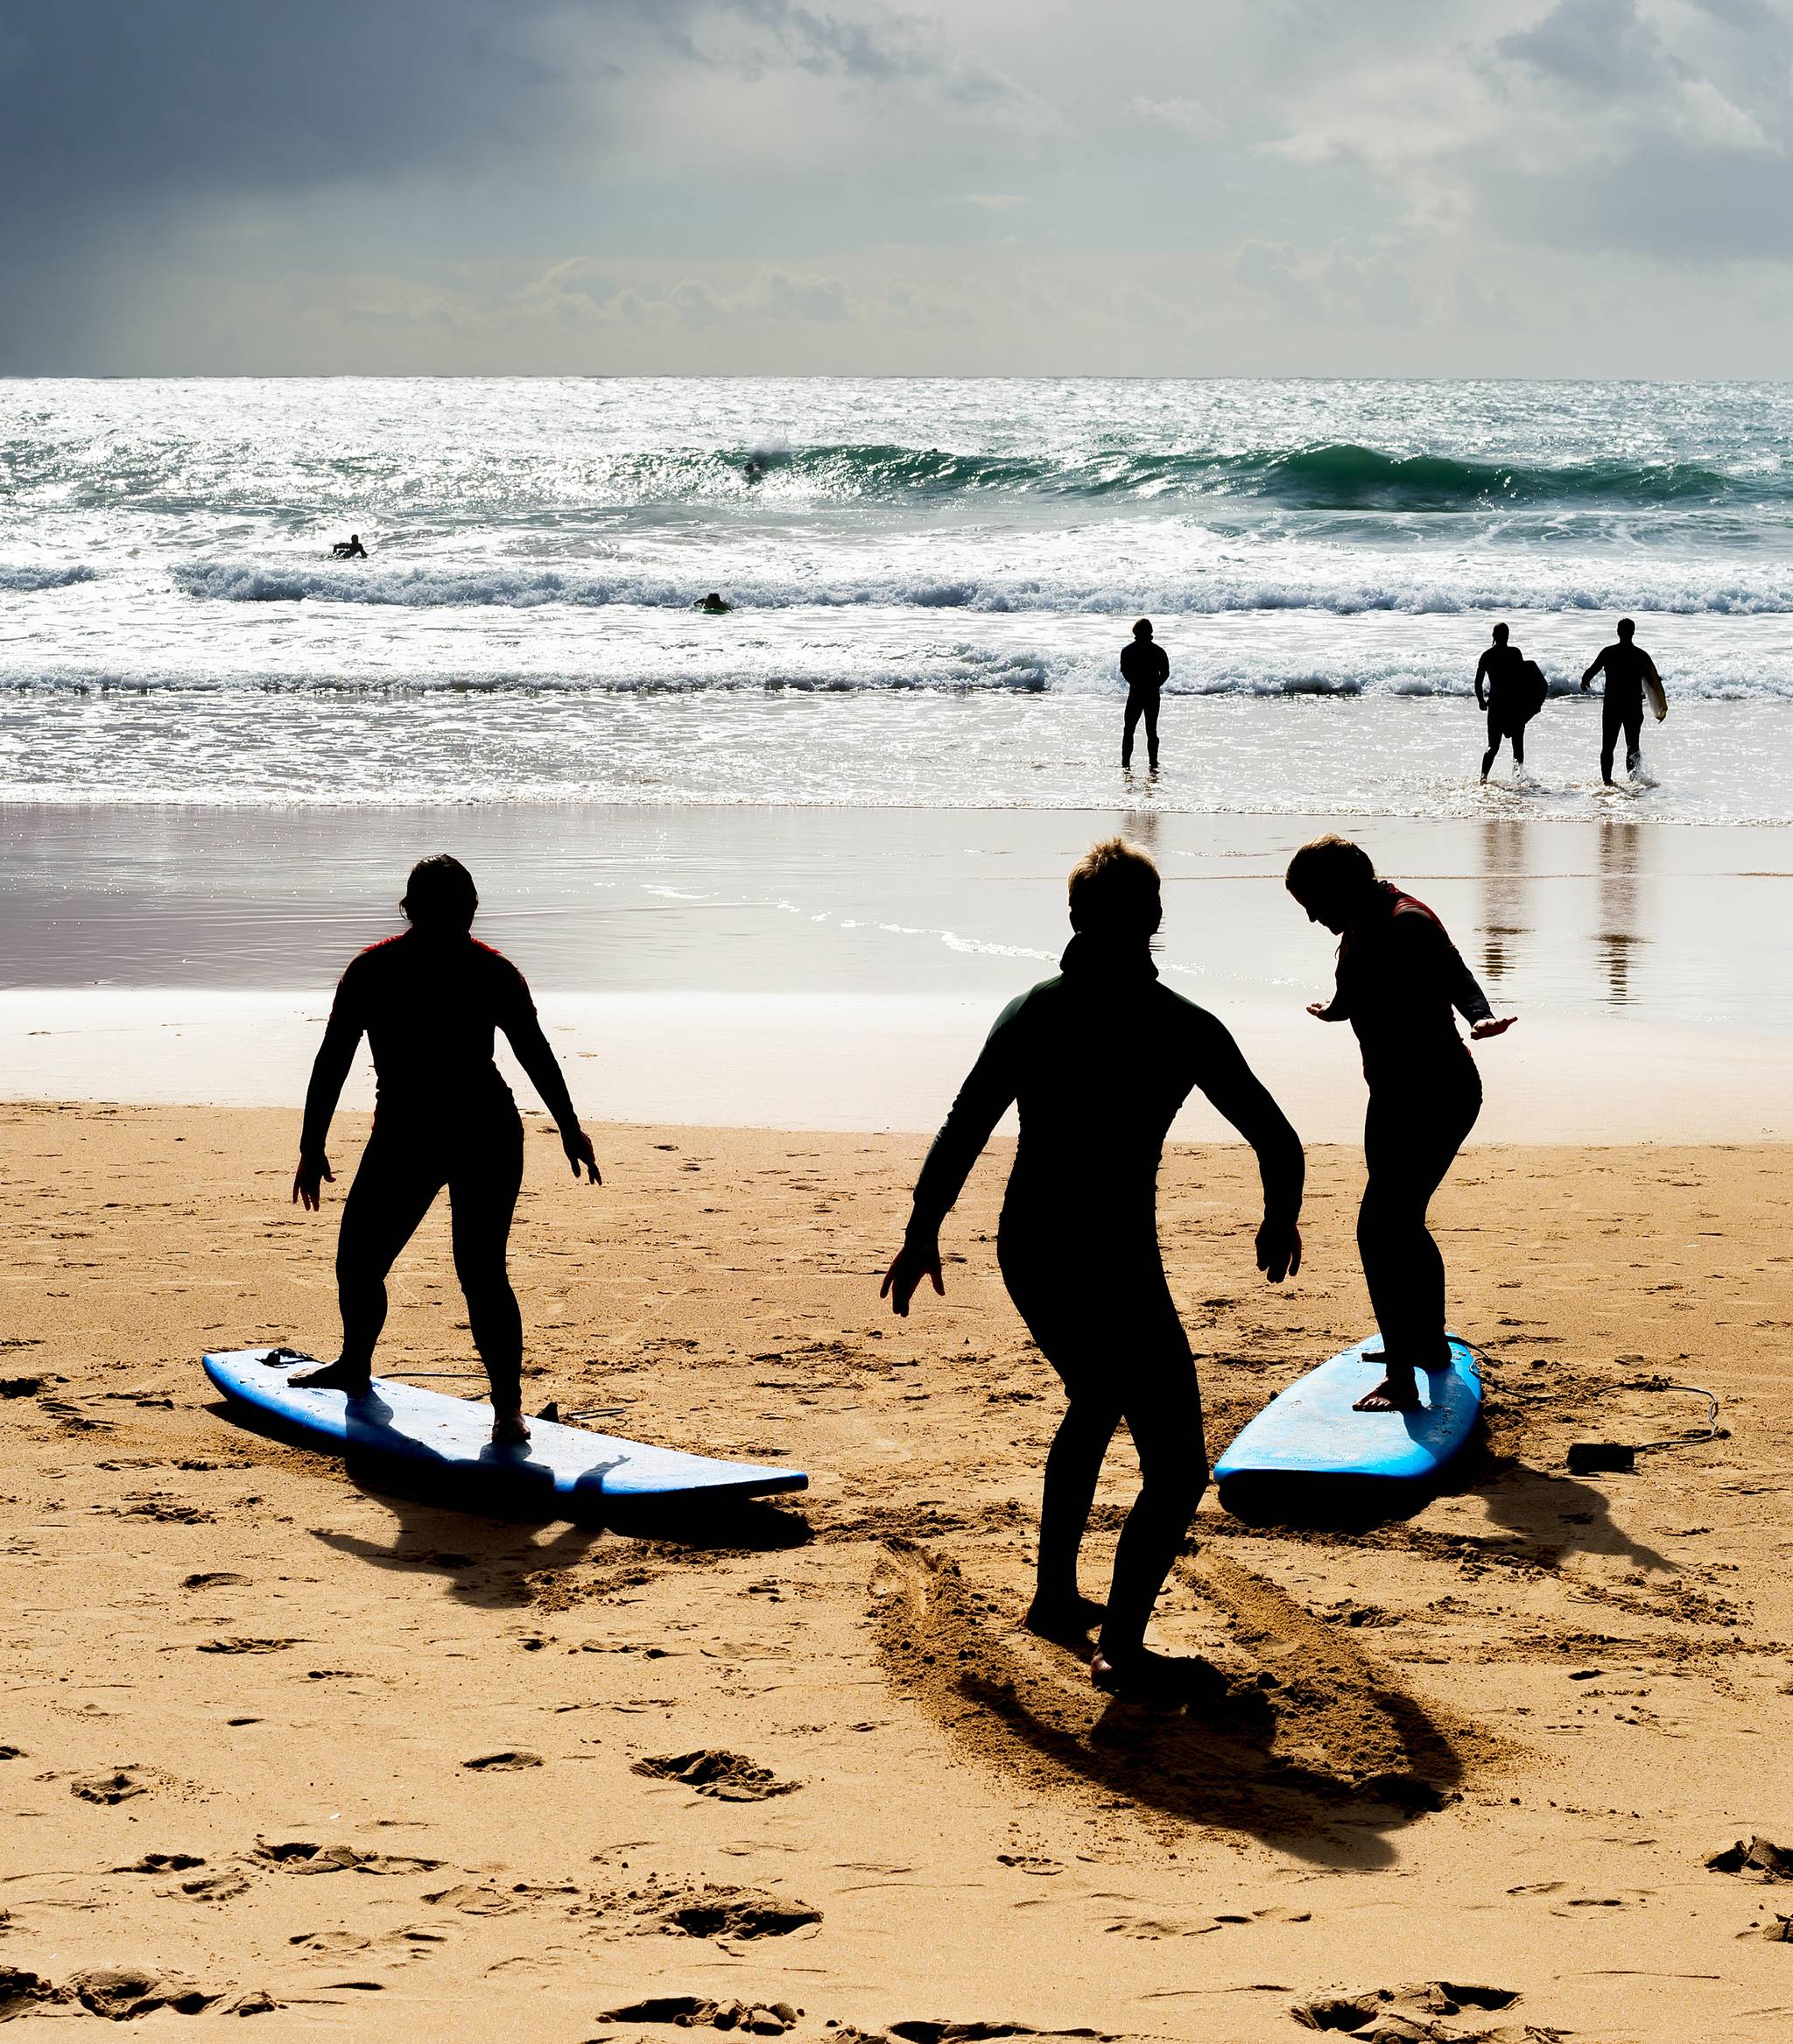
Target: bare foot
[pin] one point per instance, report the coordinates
(1397, 1392)
(337, 1376)
(1067, 1621)
(1145, 1678)
(509, 1430)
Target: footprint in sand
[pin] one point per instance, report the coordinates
(732, 1777)
(117, 1786)
(503, 1763)
(161, 1863)
(409, 1942)
(245, 1646)
(1407, 2008)
(301, 1855)
(702, 1909)
(213, 1579)
(688, 2011)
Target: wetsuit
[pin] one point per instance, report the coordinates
(1145, 667)
(429, 1006)
(1099, 1061)
(1399, 978)
(1627, 667)
(1498, 670)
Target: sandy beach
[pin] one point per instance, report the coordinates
(797, 1766)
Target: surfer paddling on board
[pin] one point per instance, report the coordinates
(428, 1002)
(349, 550)
(1399, 977)
(1078, 1241)
(1630, 673)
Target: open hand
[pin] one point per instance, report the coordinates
(1493, 1025)
(1317, 1010)
(308, 1180)
(907, 1268)
(1278, 1250)
(580, 1155)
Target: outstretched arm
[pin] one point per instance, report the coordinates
(983, 1100)
(330, 1071)
(536, 1055)
(1594, 667)
(1235, 1090)
(1433, 951)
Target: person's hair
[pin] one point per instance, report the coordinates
(441, 895)
(1330, 869)
(1626, 627)
(1143, 624)
(1114, 891)
(1500, 631)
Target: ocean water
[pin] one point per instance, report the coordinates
(932, 582)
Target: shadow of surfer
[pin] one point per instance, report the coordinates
(1099, 1060)
(429, 1002)
(1559, 1515)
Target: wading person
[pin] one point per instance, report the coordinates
(1145, 667)
(1628, 670)
(1399, 977)
(429, 1001)
(1099, 1060)
(1500, 690)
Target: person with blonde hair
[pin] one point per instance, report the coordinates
(1399, 978)
(1099, 1061)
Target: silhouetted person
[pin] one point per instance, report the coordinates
(1498, 691)
(1099, 1059)
(350, 549)
(1145, 668)
(1399, 977)
(712, 606)
(752, 469)
(429, 1001)
(1627, 666)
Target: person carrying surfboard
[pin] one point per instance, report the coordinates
(1512, 691)
(1630, 674)
(428, 1002)
(1099, 1061)
(1399, 978)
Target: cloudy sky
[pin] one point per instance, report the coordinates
(1502, 187)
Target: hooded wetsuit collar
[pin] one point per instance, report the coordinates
(1106, 958)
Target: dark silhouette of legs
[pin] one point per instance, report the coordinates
(1498, 729)
(1410, 1142)
(1617, 716)
(482, 1191)
(394, 1186)
(1140, 706)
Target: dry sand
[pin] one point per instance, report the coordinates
(371, 1765)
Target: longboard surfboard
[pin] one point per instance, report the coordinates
(1309, 1459)
(450, 1439)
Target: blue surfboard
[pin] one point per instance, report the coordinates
(1309, 1460)
(562, 1471)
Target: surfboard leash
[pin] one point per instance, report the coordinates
(1591, 1457)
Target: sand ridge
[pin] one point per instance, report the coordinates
(279, 1741)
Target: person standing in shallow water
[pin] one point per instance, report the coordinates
(1627, 667)
(1497, 690)
(1145, 667)
(429, 1001)
(1399, 977)
(1099, 1061)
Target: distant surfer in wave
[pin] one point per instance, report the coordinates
(713, 605)
(1099, 1059)
(349, 550)
(1504, 688)
(1629, 672)
(1399, 977)
(1145, 667)
(428, 1002)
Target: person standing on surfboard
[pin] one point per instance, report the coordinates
(1099, 1061)
(1399, 977)
(1629, 672)
(428, 1002)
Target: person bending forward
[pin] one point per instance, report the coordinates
(428, 1002)
(1099, 1060)
(1399, 977)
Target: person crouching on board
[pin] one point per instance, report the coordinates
(1099, 1060)
(1399, 977)
(429, 1001)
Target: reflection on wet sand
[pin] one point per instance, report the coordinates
(1621, 853)
(1505, 877)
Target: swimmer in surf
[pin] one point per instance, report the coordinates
(1399, 977)
(1078, 1241)
(428, 1002)
(349, 550)
(712, 606)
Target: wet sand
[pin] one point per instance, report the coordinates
(274, 1737)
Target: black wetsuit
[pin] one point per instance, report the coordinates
(1145, 667)
(1099, 1061)
(1399, 978)
(1627, 667)
(443, 1116)
(1498, 670)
